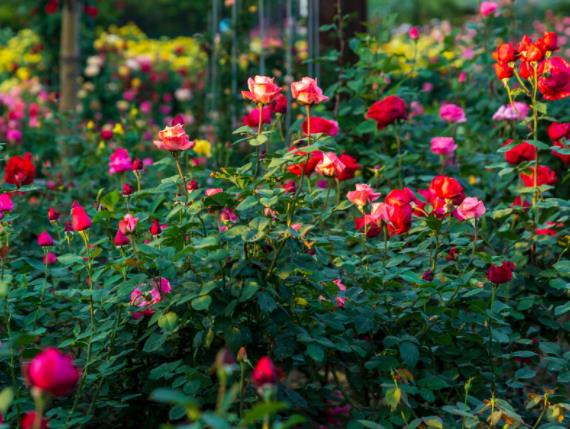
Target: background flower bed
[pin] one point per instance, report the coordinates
(367, 334)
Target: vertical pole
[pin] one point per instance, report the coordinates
(235, 54)
(69, 55)
(290, 36)
(316, 39)
(262, 35)
(310, 42)
(212, 114)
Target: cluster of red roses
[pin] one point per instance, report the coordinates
(444, 196)
(342, 167)
(525, 151)
(550, 73)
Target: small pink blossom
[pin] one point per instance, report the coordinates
(452, 113)
(120, 161)
(518, 111)
(488, 8)
(443, 145)
(330, 165)
(363, 195)
(470, 208)
(414, 33)
(128, 224)
(49, 259)
(6, 204)
(213, 191)
(44, 239)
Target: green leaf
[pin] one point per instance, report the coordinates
(370, 425)
(202, 302)
(171, 396)
(316, 352)
(409, 353)
(6, 398)
(263, 409)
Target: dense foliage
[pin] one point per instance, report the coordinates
(390, 260)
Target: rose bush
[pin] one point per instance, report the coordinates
(398, 257)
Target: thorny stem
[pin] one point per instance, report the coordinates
(176, 156)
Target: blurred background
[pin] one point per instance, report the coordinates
(187, 17)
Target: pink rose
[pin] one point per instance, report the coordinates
(413, 33)
(470, 208)
(128, 224)
(212, 191)
(363, 195)
(120, 161)
(443, 145)
(306, 91)
(449, 112)
(173, 139)
(518, 111)
(6, 204)
(262, 90)
(330, 165)
(488, 8)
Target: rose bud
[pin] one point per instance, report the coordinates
(265, 373)
(53, 372)
(44, 239)
(80, 220)
(127, 189)
(155, 228)
(501, 274)
(53, 215)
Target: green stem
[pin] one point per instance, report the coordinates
(176, 156)
(258, 147)
(399, 144)
(490, 326)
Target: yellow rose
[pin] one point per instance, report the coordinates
(203, 147)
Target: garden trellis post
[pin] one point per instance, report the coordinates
(69, 55)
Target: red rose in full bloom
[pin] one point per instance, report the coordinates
(519, 153)
(502, 273)
(351, 166)
(400, 219)
(504, 70)
(447, 188)
(53, 372)
(20, 170)
(265, 373)
(387, 111)
(505, 53)
(545, 176)
(558, 130)
(554, 81)
(321, 126)
(400, 197)
(307, 166)
(529, 51)
(252, 118)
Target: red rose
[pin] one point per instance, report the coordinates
(80, 220)
(252, 119)
(505, 53)
(20, 170)
(565, 158)
(447, 188)
(51, 7)
(29, 419)
(501, 274)
(305, 167)
(545, 176)
(558, 130)
(400, 219)
(525, 70)
(519, 153)
(554, 81)
(321, 126)
(400, 197)
(53, 372)
(504, 70)
(529, 51)
(370, 223)
(91, 11)
(265, 373)
(351, 166)
(387, 111)
(550, 41)
(279, 104)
